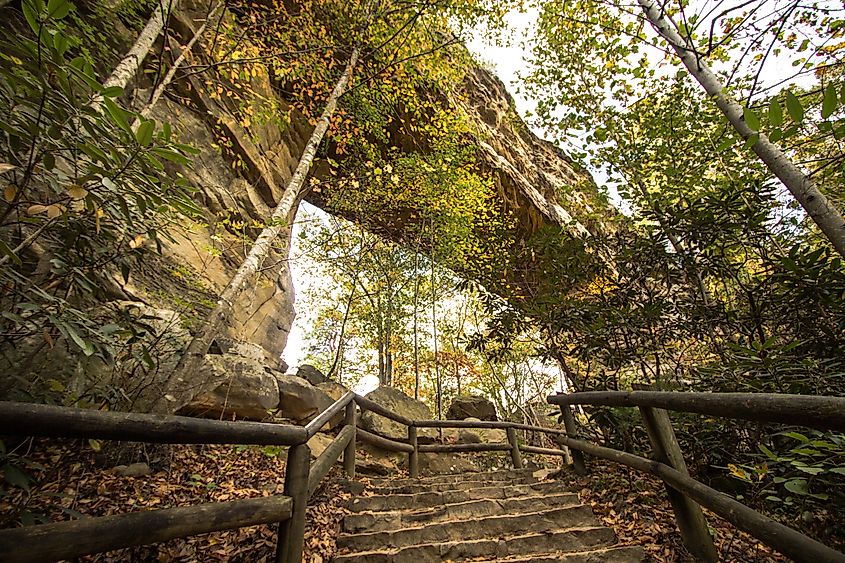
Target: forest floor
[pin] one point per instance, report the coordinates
(68, 478)
(637, 507)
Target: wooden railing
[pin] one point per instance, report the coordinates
(67, 540)
(688, 495)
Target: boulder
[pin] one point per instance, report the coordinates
(398, 402)
(300, 401)
(236, 387)
(247, 350)
(471, 406)
(332, 388)
(311, 374)
(318, 443)
(482, 435)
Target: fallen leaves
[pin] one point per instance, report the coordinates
(76, 480)
(636, 507)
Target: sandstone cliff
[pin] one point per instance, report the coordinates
(241, 169)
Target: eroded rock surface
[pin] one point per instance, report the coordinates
(398, 402)
(471, 406)
(300, 401)
(236, 387)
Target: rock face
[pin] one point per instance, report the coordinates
(537, 184)
(471, 406)
(310, 373)
(481, 435)
(237, 387)
(398, 402)
(300, 401)
(332, 389)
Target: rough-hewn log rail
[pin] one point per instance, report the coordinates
(823, 413)
(383, 443)
(302, 478)
(784, 539)
(68, 540)
(501, 425)
(332, 411)
(323, 464)
(29, 419)
(368, 405)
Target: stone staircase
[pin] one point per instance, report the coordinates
(497, 516)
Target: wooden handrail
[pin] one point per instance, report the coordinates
(784, 539)
(824, 413)
(333, 410)
(818, 412)
(323, 464)
(29, 419)
(384, 443)
(68, 540)
(481, 424)
(302, 478)
(369, 405)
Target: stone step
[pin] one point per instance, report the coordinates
(504, 475)
(397, 519)
(479, 481)
(616, 554)
(497, 548)
(380, 503)
(478, 528)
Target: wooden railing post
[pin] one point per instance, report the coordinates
(349, 452)
(688, 514)
(516, 456)
(292, 531)
(578, 463)
(413, 456)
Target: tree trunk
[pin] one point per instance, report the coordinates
(434, 334)
(339, 352)
(821, 211)
(416, 337)
(128, 67)
(145, 113)
(279, 224)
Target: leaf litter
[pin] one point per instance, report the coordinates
(69, 479)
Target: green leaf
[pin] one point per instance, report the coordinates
(797, 486)
(31, 15)
(752, 140)
(775, 113)
(794, 107)
(830, 101)
(751, 119)
(810, 470)
(112, 92)
(769, 453)
(117, 115)
(838, 470)
(57, 9)
(144, 134)
(727, 143)
(16, 477)
(87, 347)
